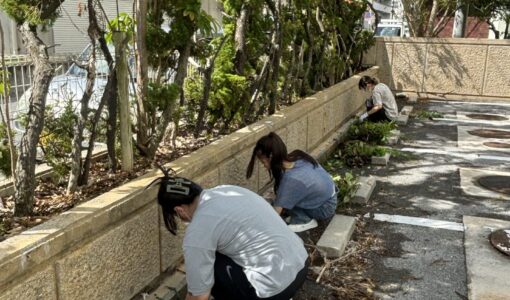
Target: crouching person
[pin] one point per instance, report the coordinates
(235, 246)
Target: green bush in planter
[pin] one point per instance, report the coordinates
(371, 132)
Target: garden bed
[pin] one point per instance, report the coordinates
(51, 198)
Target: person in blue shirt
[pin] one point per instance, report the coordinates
(304, 190)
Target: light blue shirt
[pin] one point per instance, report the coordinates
(305, 186)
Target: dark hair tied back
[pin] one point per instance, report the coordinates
(174, 191)
(365, 80)
(273, 147)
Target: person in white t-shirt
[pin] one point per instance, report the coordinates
(381, 106)
(236, 246)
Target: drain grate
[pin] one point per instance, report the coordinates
(500, 239)
(491, 133)
(486, 117)
(496, 183)
(497, 145)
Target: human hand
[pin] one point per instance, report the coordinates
(363, 117)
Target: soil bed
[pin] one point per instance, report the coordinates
(51, 198)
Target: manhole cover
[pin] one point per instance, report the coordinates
(495, 183)
(500, 239)
(491, 133)
(497, 145)
(486, 117)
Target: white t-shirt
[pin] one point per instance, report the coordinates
(383, 95)
(242, 225)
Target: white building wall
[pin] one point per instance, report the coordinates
(11, 41)
(70, 30)
(500, 26)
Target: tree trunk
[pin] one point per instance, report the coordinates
(507, 28)
(25, 166)
(166, 116)
(111, 128)
(110, 91)
(277, 42)
(493, 29)
(76, 160)
(109, 94)
(459, 23)
(287, 81)
(240, 39)
(207, 89)
(255, 90)
(141, 73)
(120, 40)
(297, 80)
(432, 18)
(304, 84)
(376, 14)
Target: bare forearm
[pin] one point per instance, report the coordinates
(375, 109)
(278, 209)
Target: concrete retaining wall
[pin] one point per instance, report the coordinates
(113, 246)
(467, 68)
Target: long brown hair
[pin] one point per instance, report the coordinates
(272, 147)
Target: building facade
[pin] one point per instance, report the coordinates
(68, 35)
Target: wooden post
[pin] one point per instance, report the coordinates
(120, 40)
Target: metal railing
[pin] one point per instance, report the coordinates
(20, 68)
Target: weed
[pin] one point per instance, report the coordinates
(358, 153)
(402, 154)
(347, 186)
(428, 114)
(371, 132)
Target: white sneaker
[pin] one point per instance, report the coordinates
(303, 227)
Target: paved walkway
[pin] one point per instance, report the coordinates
(426, 262)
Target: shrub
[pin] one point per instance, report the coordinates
(371, 132)
(56, 140)
(5, 153)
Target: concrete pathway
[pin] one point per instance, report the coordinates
(424, 256)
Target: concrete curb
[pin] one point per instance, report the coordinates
(403, 117)
(381, 160)
(394, 137)
(406, 110)
(334, 239)
(366, 186)
(172, 287)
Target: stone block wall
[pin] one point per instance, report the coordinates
(113, 246)
(469, 68)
